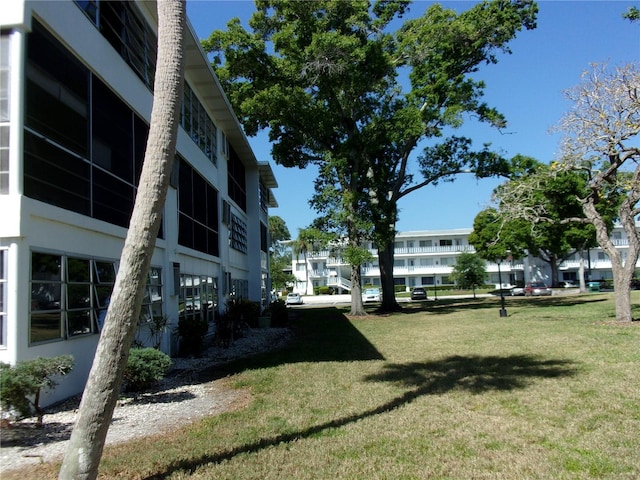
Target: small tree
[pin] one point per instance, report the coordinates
(469, 271)
(22, 384)
(280, 254)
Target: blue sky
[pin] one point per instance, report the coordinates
(525, 86)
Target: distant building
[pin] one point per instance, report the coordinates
(426, 258)
(76, 94)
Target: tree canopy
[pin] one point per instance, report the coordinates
(337, 88)
(469, 271)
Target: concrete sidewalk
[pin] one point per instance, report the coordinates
(346, 299)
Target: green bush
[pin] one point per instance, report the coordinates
(145, 367)
(279, 313)
(244, 313)
(22, 384)
(325, 290)
(191, 330)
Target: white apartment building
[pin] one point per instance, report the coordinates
(76, 82)
(426, 258)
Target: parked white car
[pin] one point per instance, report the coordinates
(294, 299)
(371, 295)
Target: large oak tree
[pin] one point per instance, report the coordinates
(336, 87)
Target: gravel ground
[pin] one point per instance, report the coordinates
(175, 401)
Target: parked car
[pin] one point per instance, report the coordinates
(515, 291)
(294, 299)
(418, 293)
(569, 284)
(537, 289)
(371, 295)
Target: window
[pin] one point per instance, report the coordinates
(426, 262)
(197, 210)
(236, 180)
(70, 295)
(3, 297)
(89, 163)
(198, 296)
(264, 238)
(410, 243)
(57, 92)
(446, 243)
(426, 243)
(239, 288)
(198, 124)
(4, 113)
(46, 297)
(263, 196)
(129, 34)
(398, 263)
(152, 300)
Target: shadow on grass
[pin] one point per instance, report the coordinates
(321, 335)
(452, 305)
(474, 374)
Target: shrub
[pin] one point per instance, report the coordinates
(325, 290)
(279, 313)
(191, 330)
(240, 315)
(145, 367)
(244, 313)
(22, 384)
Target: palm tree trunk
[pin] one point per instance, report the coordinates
(105, 378)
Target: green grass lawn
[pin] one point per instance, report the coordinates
(446, 390)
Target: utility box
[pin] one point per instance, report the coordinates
(594, 286)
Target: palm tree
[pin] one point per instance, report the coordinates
(302, 245)
(105, 378)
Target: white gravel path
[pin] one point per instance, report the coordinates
(175, 401)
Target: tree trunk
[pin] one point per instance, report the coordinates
(581, 282)
(357, 307)
(553, 263)
(308, 287)
(85, 447)
(385, 261)
(622, 270)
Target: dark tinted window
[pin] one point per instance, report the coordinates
(56, 92)
(55, 176)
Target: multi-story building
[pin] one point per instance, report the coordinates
(76, 93)
(426, 258)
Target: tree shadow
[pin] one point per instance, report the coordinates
(475, 374)
(453, 305)
(23, 434)
(27, 433)
(321, 335)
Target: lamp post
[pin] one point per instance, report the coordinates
(503, 311)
